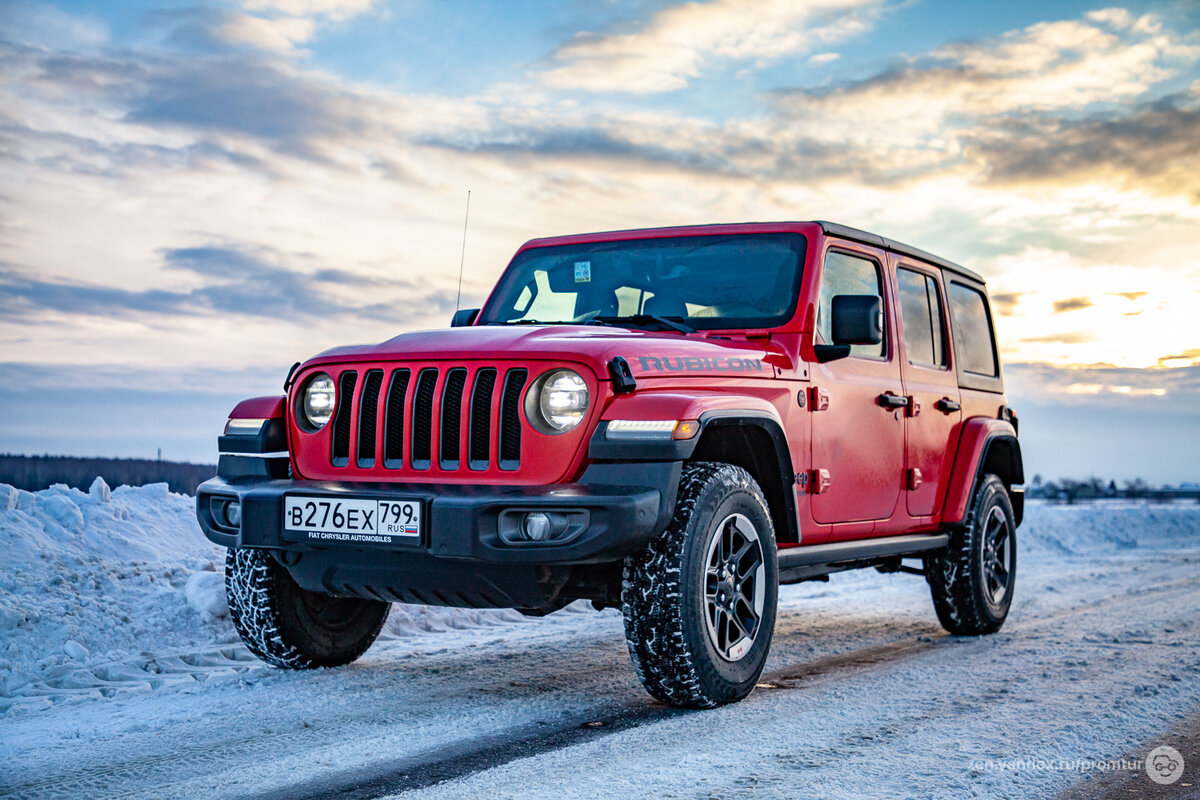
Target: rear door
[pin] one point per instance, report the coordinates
(931, 383)
(857, 439)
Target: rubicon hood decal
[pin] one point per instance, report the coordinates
(700, 364)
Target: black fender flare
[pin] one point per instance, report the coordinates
(601, 449)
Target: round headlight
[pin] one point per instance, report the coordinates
(320, 396)
(562, 400)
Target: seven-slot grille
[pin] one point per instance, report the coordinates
(421, 412)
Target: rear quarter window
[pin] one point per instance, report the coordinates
(974, 345)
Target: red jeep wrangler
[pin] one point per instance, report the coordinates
(672, 421)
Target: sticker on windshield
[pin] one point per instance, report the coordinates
(583, 272)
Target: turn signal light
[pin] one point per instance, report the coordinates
(686, 429)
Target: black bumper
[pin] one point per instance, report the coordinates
(625, 505)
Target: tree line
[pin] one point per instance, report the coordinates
(34, 473)
(1072, 490)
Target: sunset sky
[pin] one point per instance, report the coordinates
(196, 194)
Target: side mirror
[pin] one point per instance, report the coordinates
(464, 317)
(857, 319)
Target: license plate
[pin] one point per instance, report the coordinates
(353, 520)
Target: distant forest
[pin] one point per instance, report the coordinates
(1071, 491)
(40, 472)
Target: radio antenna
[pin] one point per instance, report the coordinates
(463, 257)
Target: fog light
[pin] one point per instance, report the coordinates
(528, 527)
(233, 513)
(536, 526)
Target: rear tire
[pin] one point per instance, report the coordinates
(973, 579)
(700, 599)
(288, 626)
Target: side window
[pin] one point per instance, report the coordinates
(847, 274)
(921, 310)
(973, 342)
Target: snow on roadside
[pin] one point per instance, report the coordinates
(1108, 528)
(98, 585)
(94, 576)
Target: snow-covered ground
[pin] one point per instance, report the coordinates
(120, 674)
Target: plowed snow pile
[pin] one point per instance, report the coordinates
(100, 584)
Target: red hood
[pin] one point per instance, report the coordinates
(649, 353)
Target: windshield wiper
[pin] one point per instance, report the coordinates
(642, 320)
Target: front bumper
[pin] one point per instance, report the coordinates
(624, 506)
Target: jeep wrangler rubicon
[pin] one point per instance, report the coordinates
(671, 421)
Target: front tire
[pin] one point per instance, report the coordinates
(289, 626)
(700, 599)
(972, 581)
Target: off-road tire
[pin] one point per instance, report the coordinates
(663, 593)
(288, 626)
(957, 575)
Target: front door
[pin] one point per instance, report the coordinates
(932, 386)
(857, 430)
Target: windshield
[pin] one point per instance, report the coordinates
(705, 282)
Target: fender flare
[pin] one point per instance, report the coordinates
(730, 411)
(981, 438)
(259, 453)
(770, 424)
(707, 407)
(272, 407)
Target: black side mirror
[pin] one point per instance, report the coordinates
(464, 317)
(857, 319)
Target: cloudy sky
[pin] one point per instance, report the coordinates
(196, 194)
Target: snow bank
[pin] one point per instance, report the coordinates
(107, 587)
(101, 585)
(1108, 528)
(94, 576)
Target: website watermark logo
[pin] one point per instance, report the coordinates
(1164, 765)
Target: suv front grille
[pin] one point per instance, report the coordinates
(452, 416)
(436, 421)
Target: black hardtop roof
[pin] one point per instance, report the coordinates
(856, 235)
(829, 228)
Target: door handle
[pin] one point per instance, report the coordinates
(947, 406)
(889, 400)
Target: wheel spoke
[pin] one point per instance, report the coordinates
(741, 552)
(996, 528)
(729, 637)
(727, 539)
(748, 576)
(749, 618)
(737, 623)
(997, 537)
(1000, 569)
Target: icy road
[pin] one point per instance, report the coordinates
(120, 675)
